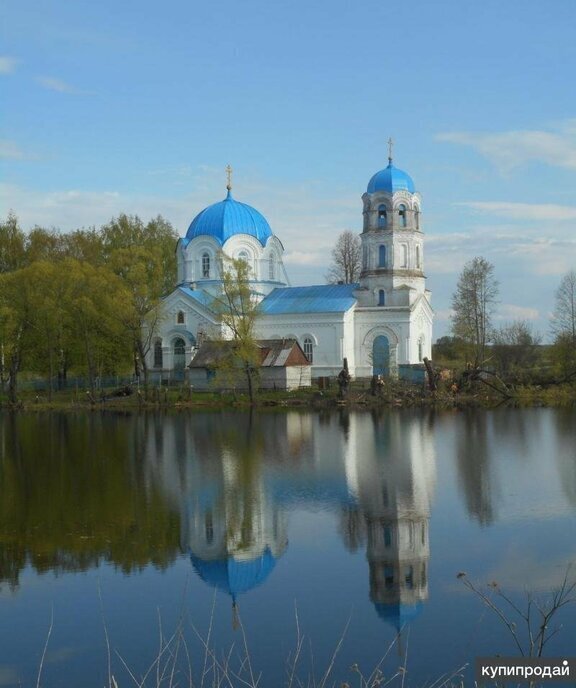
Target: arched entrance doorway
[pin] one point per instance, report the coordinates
(381, 356)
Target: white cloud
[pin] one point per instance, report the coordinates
(523, 211)
(509, 311)
(510, 149)
(57, 85)
(443, 314)
(8, 64)
(9, 150)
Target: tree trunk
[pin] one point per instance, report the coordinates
(90, 365)
(143, 365)
(430, 373)
(250, 383)
(50, 372)
(13, 379)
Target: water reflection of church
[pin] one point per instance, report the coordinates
(395, 478)
(235, 487)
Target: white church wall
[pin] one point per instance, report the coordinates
(327, 331)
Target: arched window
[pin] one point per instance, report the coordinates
(381, 298)
(271, 268)
(309, 348)
(382, 256)
(402, 215)
(179, 349)
(418, 265)
(416, 217)
(382, 218)
(243, 256)
(205, 265)
(404, 256)
(180, 318)
(158, 361)
(209, 527)
(420, 349)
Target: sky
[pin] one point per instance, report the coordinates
(138, 107)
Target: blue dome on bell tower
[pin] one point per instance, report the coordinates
(391, 179)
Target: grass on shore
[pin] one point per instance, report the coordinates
(395, 393)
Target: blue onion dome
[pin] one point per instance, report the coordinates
(235, 576)
(227, 218)
(391, 179)
(398, 614)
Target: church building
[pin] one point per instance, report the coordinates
(381, 325)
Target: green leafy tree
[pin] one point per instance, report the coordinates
(448, 348)
(237, 310)
(473, 305)
(12, 245)
(158, 236)
(16, 306)
(97, 299)
(140, 270)
(85, 245)
(44, 244)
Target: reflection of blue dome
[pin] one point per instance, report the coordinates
(398, 614)
(234, 576)
(227, 218)
(391, 179)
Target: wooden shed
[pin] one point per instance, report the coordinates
(283, 366)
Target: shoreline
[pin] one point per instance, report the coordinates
(394, 396)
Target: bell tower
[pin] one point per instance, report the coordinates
(392, 239)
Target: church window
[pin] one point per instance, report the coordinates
(381, 297)
(243, 256)
(420, 349)
(387, 536)
(271, 269)
(180, 318)
(388, 577)
(404, 256)
(416, 217)
(382, 256)
(179, 349)
(382, 218)
(418, 265)
(205, 265)
(209, 527)
(158, 362)
(402, 214)
(309, 348)
(409, 577)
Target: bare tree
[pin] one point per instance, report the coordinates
(346, 259)
(473, 304)
(515, 346)
(564, 325)
(564, 318)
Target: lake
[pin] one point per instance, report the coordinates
(127, 537)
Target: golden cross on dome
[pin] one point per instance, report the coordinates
(390, 144)
(229, 177)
